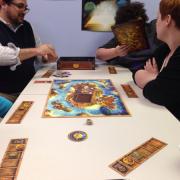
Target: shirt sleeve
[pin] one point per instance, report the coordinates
(9, 55)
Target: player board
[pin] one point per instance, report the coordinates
(84, 98)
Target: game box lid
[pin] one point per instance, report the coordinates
(76, 63)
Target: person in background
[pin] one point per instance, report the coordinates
(160, 77)
(115, 54)
(5, 105)
(18, 49)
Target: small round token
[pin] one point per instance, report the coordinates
(20, 147)
(128, 160)
(77, 136)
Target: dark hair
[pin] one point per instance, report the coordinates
(131, 11)
(7, 1)
(171, 7)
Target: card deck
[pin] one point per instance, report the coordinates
(112, 70)
(48, 73)
(136, 157)
(20, 112)
(129, 91)
(12, 158)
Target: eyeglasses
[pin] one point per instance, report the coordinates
(21, 6)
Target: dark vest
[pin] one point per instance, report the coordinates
(15, 81)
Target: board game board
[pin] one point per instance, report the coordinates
(84, 98)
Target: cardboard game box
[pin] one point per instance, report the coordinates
(76, 63)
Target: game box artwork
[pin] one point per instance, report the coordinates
(84, 98)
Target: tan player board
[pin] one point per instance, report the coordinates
(136, 157)
(48, 73)
(129, 91)
(20, 112)
(12, 159)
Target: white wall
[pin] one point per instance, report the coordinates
(59, 23)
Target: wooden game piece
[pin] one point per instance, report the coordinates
(20, 112)
(129, 91)
(112, 70)
(136, 157)
(89, 122)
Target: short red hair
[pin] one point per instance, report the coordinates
(171, 7)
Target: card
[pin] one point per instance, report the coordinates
(48, 73)
(41, 81)
(20, 112)
(120, 168)
(129, 91)
(112, 70)
(136, 157)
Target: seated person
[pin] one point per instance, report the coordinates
(118, 55)
(160, 78)
(5, 105)
(18, 49)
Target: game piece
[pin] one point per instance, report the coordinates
(112, 70)
(77, 136)
(11, 161)
(47, 74)
(89, 122)
(136, 157)
(20, 112)
(84, 98)
(129, 91)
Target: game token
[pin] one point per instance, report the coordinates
(77, 136)
(20, 147)
(89, 122)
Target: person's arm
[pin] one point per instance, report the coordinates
(9, 55)
(164, 90)
(149, 73)
(107, 54)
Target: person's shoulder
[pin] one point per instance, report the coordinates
(26, 23)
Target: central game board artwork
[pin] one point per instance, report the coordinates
(84, 98)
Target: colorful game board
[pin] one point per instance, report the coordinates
(84, 98)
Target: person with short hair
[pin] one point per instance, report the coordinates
(116, 54)
(18, 49)
(160, 77)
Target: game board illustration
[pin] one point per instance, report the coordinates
(84, 98)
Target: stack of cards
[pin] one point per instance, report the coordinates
(62, 74)
(20, 112)
(12, 159)
(47, 74)
(112, 70)
(135, 158)
(129, 91)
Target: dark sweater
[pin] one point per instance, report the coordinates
(15, 81)
(165, 89)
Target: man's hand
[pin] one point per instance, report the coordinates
(48, 52)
